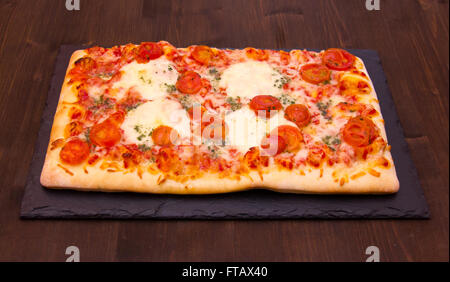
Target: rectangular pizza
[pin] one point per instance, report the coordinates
(154, 118)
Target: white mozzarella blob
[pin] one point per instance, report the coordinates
(246, 130)
(250, 79)
(151, 80)
(140, 122)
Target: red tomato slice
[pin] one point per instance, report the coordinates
(292, 135)
(74, 152)
(338, 59)
(190, 82)
(202, 54)
(165, 136)
(105, 134)
(359, 132)
(273, 145)
(264, 104)
(298, 114)
(148, 51)
(315, 73)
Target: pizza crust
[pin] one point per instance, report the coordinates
(277, 180)
(92, 178)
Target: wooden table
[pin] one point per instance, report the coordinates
(412, 37)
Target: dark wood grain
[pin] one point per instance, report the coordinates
(412, 37)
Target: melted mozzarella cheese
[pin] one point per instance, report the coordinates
(246, 130)
(250, 79)
(150, 80)
(139, 122)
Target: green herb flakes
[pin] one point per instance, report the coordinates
(280, 82)
(287, 100)
(323, 108)
(143, 147)
(170, 88)
(331, 141)
(234, 103)
(186, 102)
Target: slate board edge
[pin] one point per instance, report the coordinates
(45, 212)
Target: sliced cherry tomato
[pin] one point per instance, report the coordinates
(315, 73)
(148, 51)
(298, 114)
(264, 104)
(190, 82)
(273, 145)
(74, 152)
(105, 134)
(338, 59)
(292, 135)
(86, 64)
(360, 131)
(165, 136)
(203, 54)
(256, 54)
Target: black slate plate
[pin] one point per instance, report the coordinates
(409, 202)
